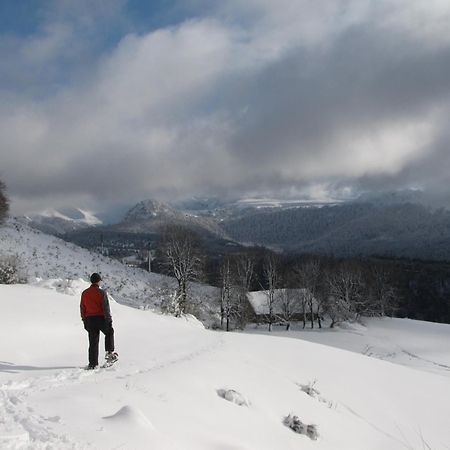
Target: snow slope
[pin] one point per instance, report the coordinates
(45, 257)
(422, 345)
(163, 393)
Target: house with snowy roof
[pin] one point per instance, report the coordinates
(288, 305)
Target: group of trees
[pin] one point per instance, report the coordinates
(353, 290)
(309, 289)
(296, 288)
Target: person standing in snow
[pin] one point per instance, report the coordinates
(96, 316)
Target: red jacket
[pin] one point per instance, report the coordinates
(94, 302)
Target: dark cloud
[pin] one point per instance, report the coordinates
(316, 98)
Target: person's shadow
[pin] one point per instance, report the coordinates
(9, 367)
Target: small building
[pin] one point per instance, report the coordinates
(289, 305)
(131, 261)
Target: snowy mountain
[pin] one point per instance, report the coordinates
(58, 223)
(178, 386)
(151, 216)
(149, 210)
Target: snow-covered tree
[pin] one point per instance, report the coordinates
(185, 261)
(227, 294)
(9, 271)
(346, 296)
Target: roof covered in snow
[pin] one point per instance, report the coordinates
(259, 300)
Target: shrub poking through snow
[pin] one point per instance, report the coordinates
(310, 389)
(9, 271)
(233, 397)
(295, 424)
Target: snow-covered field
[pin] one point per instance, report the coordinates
(422, 345)
(164, 391)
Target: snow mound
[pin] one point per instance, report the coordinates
(62, 285)
(233, 396)
(193, 321)
(129, 416)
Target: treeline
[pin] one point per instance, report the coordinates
(308, 288)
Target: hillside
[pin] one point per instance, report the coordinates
(354, 229)
(59, 223)
(165, 391)
(42, 257)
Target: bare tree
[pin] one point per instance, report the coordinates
(383, 294)
(303, 304)
(245, 269)
(227, 300)
(290, 306)
(236, 273)
(184, 259)
(345, 293)
(271, 272)
(4, 204)
(244, 273)
(309, 275)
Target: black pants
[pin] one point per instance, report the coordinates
(93, 325)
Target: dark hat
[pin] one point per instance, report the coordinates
(95, 278)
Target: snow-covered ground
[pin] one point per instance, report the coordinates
(412, 343)
(167, 390)
(42, 257)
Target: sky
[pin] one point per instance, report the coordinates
(108, 102)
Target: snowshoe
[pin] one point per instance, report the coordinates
(110, 359)
(111, 356)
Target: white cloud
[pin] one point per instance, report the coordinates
(258, 95)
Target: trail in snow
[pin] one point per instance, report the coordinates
(22, 427)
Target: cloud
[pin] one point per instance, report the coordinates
(243, 97)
